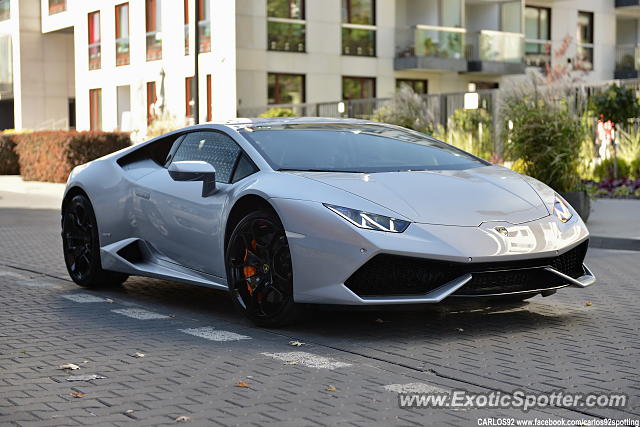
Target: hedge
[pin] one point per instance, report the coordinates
(50, 155)
(8, 155)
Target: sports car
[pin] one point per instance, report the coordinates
(290, 212)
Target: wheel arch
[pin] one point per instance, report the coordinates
(72, 192)
(243, 206)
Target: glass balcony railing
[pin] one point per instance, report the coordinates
(122, 51)
(286, 36)
(432, 41)
(5, 11)
(94, 56)
(358, 41)
(154, 46)
(537, 53)
(57, 6)
(498, 46)
(628, 57)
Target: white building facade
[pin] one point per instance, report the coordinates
(114, 64)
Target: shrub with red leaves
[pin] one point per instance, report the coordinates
(50, 155)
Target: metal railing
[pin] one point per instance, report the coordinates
(358, 40)
(431, 41)
(499, 46)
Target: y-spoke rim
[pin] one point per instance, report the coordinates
(77, 237)
(260, 267)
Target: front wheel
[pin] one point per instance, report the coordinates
(260, 271)
(82, 247)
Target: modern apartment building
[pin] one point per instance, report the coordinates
(114, 64)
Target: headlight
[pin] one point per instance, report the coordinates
(370, 221)
(561, 209)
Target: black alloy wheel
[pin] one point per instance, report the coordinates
(260, 270)
(82, 247)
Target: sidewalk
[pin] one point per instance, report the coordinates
(16, 193)
(615, 224)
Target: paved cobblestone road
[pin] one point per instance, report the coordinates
(196, 349)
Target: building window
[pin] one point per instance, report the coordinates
(420, 87)
(154, 28)
(358, 27)
(95, 109)
(94, 40)
(57, 6)
(286, 26)
(189, 101)
(285, 88)
(584, 40)
(209, 99)
(151, 102)
(204, 25)
(358, 87)
(537, 29)
(5, 10)
(122, 34)
(71, 104)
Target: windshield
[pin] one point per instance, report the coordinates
(354, 148)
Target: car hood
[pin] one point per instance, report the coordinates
(452, 197)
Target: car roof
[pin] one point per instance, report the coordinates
(241, 123)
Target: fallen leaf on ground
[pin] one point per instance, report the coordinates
(172, 315)
(588, 303)
(137, 355)
(296, 343)
(69, 366)
(129, 411)
(183, 419)
(85, 377)
(243, 384)
(459, 329)
(378, 320)
(109, 301)
(331, 388)
(77, 394)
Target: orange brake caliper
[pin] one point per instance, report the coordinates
(248, 270)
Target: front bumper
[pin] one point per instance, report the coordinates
(327, 252)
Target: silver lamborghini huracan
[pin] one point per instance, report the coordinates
(283, 213)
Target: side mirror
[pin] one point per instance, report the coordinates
(195, 171)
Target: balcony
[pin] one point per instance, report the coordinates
(426, 47)
(537, 53)
(496, 52)
(286, 35)
(154, 46)
(94, 56)
(122, 51)
(57, 6)
(627, 62)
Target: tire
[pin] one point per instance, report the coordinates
(81, 246)
(259, 271)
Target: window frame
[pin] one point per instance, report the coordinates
(154, 94)
(290, 20)
(361, 79)
(277, 98)
(348, 25)
(590, 44)
(118, 8)
(91, 39)
(410, 82)
(95, 115)
(183, 136)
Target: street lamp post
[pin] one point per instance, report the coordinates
(196, 76)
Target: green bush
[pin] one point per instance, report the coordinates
(50, 155)
(617, 104)
(471, 131)
(8, 157)
(545, 139)
(622, 191)
(634, 169)
(277, 112)
(604, 170)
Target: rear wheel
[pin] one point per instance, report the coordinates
(260, 271)
(82, 247)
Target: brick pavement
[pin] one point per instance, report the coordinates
(45, 321)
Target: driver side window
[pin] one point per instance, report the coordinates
(215, 148)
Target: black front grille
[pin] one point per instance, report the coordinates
(398, 275)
